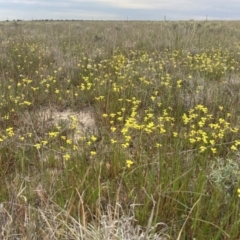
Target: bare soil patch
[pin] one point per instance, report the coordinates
(85, 124)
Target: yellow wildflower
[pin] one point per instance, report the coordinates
(238, 192)
(129, 163)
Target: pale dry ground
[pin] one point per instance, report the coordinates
(85, 121)
(76, 126)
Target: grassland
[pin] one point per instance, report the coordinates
(160, 159)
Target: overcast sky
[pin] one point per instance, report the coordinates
(120, 9)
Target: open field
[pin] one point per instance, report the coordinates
(119, 130)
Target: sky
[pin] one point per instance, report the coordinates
(152, 10)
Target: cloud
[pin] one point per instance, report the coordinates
(165, 4)
(119, 9)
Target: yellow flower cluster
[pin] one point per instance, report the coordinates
(205, 131)
(214, 63)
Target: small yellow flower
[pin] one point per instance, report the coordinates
(113, 129)
(37, 146)
(63, 137)
(202, 148)
(238, 192)
(93, 153)
(175, 134)
(129, 163)
(10, 131)
(158, 145)
(75, 147)
(44, 142)
(214, 150)
(66, 156)
(237, 142)
(125, 145)
(113, 141)
(233, 147)
(29, 134)
(93, 138)
(52, 134)
(179, 83)
(212, 142)
(153, 98)
(234, 130)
